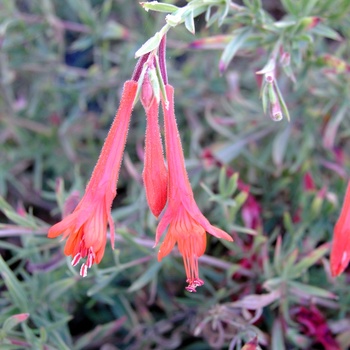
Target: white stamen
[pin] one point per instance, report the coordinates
(76, 259)
(83, 270)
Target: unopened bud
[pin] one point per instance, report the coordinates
(339, 65)
(285, 59)
(269, 78)
(153, 78)
(274, 106)
(147, 94)
(251, 345)
(316, 206)
(309, 22)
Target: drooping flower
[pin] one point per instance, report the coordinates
(187, 225)
(155, 175)
(86, 227)
(340, 253)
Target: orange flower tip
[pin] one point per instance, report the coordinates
(193, 284)
(339, 267)
(52, 233)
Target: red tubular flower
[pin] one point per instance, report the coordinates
(340, 253)
(86, 227)
(155, 175)
(187, 225)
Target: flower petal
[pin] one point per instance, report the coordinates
(166, 246)
(67, 223)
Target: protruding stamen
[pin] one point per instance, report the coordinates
(90, 258)
(76, 259)
(83, 270)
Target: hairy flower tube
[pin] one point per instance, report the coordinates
(187, 225)
(86, 227)
(340, 253)
(155, 175)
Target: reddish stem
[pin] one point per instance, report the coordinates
(162, 59)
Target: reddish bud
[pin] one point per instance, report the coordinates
(147, 94)
(20, 317)
(336, 64)
(310, 22)
(251, 345)
(308, 182)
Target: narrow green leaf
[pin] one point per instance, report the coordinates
(277, 338)
(222, 180)
(14, 287)
(289, 262)
(84, 11)
(282, 103)
(264, 97)
(279, 146)
(151, 44)
(232, 184)
(161, 83)
(310, 291)
(224, 13)
(308, 6)
(4, 205)
(325, 31)
(291, 6)
(82, 43)
(55, 290)
(113, 31)
(106, 10)
(308, 261)
(14, 320)
(189, 22)
(20, 220)
(10, 346)
(240, 36)
(242, 229)
(102, 283)
(208, 13)
(146, 277)
(277, 255)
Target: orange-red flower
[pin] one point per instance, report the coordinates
(86, 227)
(340, 253)
(155, 175)
(187, 225)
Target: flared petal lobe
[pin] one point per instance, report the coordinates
(340, 253)
(187, 225)
(86, 227)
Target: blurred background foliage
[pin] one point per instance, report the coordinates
(276, 187)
